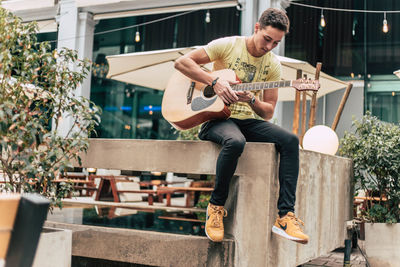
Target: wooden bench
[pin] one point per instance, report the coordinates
(168, 191)
(108, 183)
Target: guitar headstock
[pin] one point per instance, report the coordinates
(306, 85)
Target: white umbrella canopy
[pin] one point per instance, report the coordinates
(149, 69)
(154, 68)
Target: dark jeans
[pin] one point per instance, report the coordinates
(232, 134)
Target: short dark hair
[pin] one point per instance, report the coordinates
(276, 18)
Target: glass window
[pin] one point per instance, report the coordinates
(49, 37)
(385, 105)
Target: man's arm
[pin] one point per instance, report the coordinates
(265, 107)
(189, 65)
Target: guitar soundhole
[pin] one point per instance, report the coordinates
(209, 92)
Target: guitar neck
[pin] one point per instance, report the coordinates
(261, 85)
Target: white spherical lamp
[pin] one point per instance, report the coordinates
(321, 139)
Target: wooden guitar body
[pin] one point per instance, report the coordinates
(187, 103)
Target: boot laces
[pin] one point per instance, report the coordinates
(218, 213)
(296, 221)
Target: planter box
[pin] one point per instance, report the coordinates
(382, 244)
(54, 248)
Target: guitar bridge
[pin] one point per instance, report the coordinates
(190, 93)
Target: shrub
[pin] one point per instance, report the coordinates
(375, 150)
(37, 88)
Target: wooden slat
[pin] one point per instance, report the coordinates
(313, 107)
(303, 116)
(296, 112)
(129, 205)
(197, 189)
(341, 106)
(73, 181)
(180, 219)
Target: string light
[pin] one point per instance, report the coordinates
(385, 27)
(323, 23)
(137, 36)
(126, 27)
(208, 18)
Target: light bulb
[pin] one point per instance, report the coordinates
(322, 22)
(385, 27)
(137, 37)
(208, 18)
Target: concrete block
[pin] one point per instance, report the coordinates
(382, 244)
(54, 248)
(148, 248)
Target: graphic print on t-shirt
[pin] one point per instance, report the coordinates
(247, 72)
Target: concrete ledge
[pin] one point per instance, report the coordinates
(198, 157)
(323, 199)
(145, 247)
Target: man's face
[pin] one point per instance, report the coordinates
(266, 39)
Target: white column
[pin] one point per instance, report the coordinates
(75, 31)
(263, 5)
(85, 47)
(67, 24)
(249, 16)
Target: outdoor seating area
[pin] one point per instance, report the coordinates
(125, 189)
(221, 133)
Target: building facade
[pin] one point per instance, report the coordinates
(98, 28)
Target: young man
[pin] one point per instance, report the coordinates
(252, 60)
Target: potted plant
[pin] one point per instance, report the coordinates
(37, 88)
(375, 149)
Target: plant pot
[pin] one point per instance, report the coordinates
(54, 248)
(382, 244)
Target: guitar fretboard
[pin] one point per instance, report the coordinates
(261, 85)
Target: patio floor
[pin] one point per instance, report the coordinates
(335, 259)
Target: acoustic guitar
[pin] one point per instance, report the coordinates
(187, 103)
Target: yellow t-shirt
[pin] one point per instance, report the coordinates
(231, 53)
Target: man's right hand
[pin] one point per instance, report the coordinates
(224, 90)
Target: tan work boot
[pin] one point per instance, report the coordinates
(289, 227)
(214, 222)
